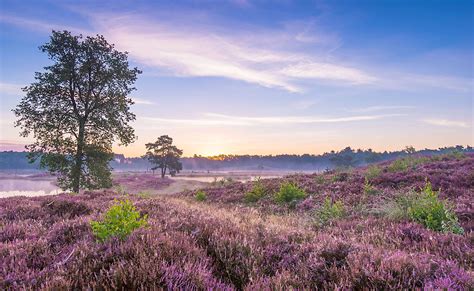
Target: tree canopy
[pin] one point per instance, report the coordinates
(77, 107)
(164, 155)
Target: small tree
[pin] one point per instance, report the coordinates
(410, 150)
(77, 108)
(164, 155)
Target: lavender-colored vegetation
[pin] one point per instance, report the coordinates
(227, 242)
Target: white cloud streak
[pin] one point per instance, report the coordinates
(140, 101)
(267, 57)
(216, 119)
(203, 52)
(38, 25)
(11, 89)
(446, 123)
(380, 108)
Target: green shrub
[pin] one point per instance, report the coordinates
(404, 164)
(432, 212)
(289, 192)
(373, 172)
(329, 212)
(369, 189)
(258, 191)
(455, 155)
(400, 165)
(119, 221)
(425, 208)
(200, 196)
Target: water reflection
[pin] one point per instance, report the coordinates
(27, 186)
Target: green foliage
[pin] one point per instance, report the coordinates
(406, 163)
(400, 165)
(329, 212)
(432, 212)
(289, 192)
(373, 172)
(458, 155)
(200, 196)
(425, 208)
(75, 115)
(119, 221)
(256, 193)
(369, 189)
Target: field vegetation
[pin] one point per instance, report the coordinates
(303, 231)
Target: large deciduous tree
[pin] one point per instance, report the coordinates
(77, 107)
(164, 155)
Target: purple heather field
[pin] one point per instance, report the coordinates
(229, 241)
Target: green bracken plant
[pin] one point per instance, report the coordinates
(257, 192)
(434, 213)
(404, 164)
(373, 172)
(119, 221)
(369, 189)
(200, 196)
(329, 212)
(289, 192)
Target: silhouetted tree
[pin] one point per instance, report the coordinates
(77, 108)
(164, 155)
(410, 150)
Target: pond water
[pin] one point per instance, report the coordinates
(25, 186)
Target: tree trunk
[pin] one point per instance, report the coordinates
(163, 172)
(76, 171)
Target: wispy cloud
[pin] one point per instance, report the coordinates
(217, 119)
(140, 101)
(263, 56)
(380, 108)
(206, 51)
(38, 25)
(446, 122)
(11, 89)
(303, 104)
(417, 82)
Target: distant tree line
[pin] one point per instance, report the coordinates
(347, 157)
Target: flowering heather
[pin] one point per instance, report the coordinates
(136, 182)
(229, 243)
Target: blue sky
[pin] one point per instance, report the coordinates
(268, 77)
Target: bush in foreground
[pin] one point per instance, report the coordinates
(200, 196)
(329, 212)
(289, 192)
(434, 213)
(120, 220)
(257, 192)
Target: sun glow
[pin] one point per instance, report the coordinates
(211, 150)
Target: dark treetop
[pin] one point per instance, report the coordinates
(164, 155)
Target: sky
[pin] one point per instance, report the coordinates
(267, 77)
